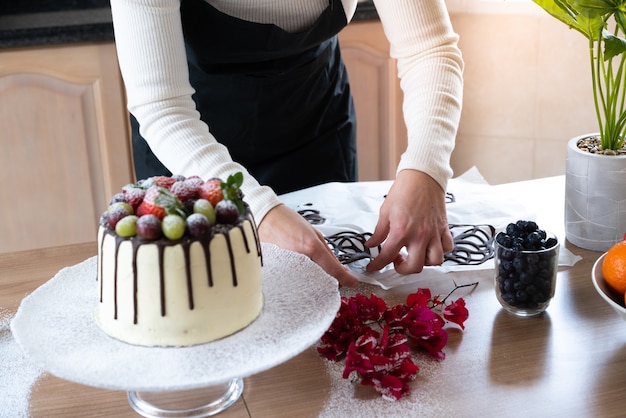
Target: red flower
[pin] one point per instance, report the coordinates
(434, 344)
(392, 387)
(393, 317)
(367, 310)
(422, 322)
(425, 329)
(343, 331)
(456, 312)
(383, 361)
(419, 298)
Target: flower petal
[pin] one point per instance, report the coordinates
(456, 312)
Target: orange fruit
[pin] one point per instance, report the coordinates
(614, 268)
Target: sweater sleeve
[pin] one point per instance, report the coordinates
(151, 55)
(430, 68)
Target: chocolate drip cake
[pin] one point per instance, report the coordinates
(179, 262)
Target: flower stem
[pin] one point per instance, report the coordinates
(458, 286)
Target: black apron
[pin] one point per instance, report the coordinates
(280, 102)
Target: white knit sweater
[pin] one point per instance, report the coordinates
(151, 53)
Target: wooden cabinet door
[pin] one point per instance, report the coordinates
(64, 142)
(381, 132)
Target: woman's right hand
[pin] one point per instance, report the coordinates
(289, 230)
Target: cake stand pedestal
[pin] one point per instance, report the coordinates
(56, 329)
(197, 403)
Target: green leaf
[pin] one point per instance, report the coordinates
(170, 202)
(613, 45)
(235, 180)
(585, 16)
(232, 190)
(607, 54)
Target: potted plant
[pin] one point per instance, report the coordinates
(595, 179)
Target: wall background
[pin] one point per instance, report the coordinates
(527, 90)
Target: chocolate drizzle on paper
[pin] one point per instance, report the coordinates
(349, 246)
(473, 244)
(312, 216)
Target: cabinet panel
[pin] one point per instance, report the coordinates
(65, 143)
(381, 133)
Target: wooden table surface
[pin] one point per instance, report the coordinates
(570, 361)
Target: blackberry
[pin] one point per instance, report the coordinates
(511, 230)
(525, 236)
(534, 241)
(551, 242)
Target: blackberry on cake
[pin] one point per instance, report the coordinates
(175, 268)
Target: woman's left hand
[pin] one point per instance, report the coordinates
(289, 230)
(413, 215)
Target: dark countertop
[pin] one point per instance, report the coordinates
(56, 27)
(52, 22)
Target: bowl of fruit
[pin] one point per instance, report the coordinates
(608, 276)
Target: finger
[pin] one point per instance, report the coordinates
(380, 233)
(387, 254)
(437, 248)
(413, 262)
(328, 262)
(332, 266)
(447, 241)
(434, 254)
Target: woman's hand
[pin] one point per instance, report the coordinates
(289, 230)
(413, 215)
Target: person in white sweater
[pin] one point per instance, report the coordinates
(258, 86)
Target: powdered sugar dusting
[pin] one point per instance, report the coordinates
(355, 400)
(17, 373)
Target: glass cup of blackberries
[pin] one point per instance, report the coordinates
(526, 264)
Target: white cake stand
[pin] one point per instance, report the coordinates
(55, 328)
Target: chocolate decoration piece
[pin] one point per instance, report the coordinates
(312, 216)
(349, 246)
(473, 244)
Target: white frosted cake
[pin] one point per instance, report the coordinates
(178, 264)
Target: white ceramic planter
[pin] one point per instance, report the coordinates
(595, 198)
